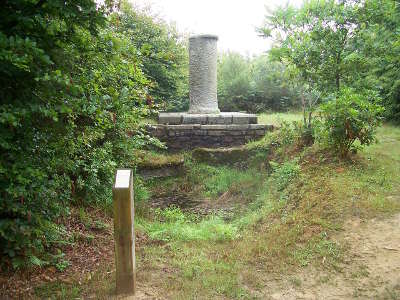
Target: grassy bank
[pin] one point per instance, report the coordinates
(247, 223)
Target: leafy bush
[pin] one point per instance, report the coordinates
(253, 85)
(163, 56)
(290, 133)
(71, 89)
(349, 118)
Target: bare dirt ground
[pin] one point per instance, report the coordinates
(371, 269)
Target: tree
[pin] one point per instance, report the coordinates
(70, 91)
(317, 39)
(380, 46)
(253, 84)
(235, 90)
(272, 88)
(325, 45)
(163, 54)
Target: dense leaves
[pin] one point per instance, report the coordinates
(253, 85)
(350, 121)
(77, 77)
(163, 55)
(72, 87)
(327, 45)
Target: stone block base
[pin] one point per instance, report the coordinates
(224, 118)
(190, 136)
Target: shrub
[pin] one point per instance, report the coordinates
(253, 84)
(349, 118)
(71, 88)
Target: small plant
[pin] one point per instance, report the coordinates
(170, 215)
(100, 225)
(285, 173)
(224, 179)
(85, 218)
(62, 265)
(349, 118)
(294, 133)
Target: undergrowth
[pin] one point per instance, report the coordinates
(293, 202)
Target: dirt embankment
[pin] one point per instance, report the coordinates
(371, 269)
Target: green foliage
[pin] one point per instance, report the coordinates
(349, 118)
(380, 44)
(272, 87)
(318, 247)
(285, 173)
(289, 133)
(328, 45)
(316, 39)
(171, 224)
(62, 290)
(72, 96)
(163, 56)
(234, 82)
(222, 179)
(140, 190)
(253, 85)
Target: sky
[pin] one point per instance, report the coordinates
(234, 21)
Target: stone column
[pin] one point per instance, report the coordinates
(203, 74)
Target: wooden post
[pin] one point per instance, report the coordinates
(124, 232)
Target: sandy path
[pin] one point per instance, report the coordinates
(371, 269)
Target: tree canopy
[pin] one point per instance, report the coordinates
(75, 81)
(332, 44)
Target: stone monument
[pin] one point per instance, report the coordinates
(203, 74)
(204, 125)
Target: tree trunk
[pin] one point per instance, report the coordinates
(338, 72)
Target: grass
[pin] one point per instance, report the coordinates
(277, 118)
(58, 290)
(172, 225)
(282, 222)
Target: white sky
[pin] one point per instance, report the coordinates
(234, 21)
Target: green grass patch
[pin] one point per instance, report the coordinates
(58, 290)
(172, 225)
(154, 160)
(278, 118)
(223, 179)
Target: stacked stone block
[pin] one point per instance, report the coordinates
(190, 136)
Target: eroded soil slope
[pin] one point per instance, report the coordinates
(371, 269)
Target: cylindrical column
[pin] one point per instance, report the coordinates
(203, 74)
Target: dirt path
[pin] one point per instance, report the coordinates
(371, 269)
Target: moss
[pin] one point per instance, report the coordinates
(153, 160)
(224, 156)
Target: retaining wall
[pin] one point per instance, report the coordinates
(186, 137)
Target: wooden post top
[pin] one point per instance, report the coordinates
(123, 179)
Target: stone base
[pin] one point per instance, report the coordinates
(225, 118)
(190, 136)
